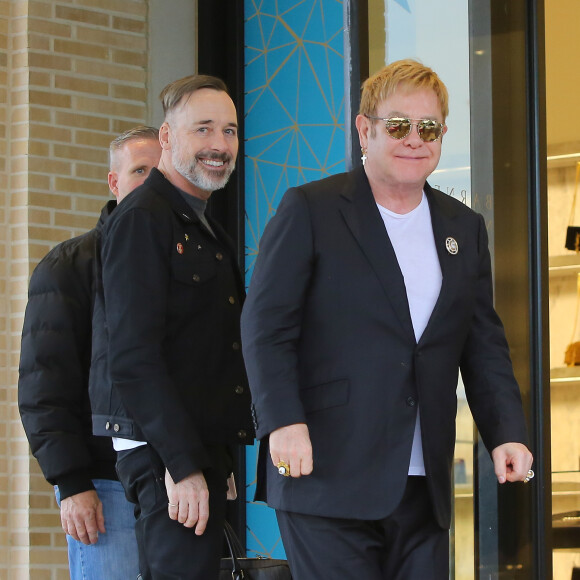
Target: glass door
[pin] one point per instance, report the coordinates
(489, 55)
(404, 29)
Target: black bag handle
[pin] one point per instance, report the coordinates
(236, 551)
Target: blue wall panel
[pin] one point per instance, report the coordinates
(294, 133)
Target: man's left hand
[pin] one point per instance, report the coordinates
(188, 501)
(511, 462)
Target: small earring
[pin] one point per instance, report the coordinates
(364, 155)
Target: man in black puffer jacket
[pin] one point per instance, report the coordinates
(53, 385)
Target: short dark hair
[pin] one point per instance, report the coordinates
(174, 92)
(139, 132)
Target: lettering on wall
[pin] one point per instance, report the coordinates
(480, 202)
(460, 194)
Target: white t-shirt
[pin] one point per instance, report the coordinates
(120, 444)
(411, 235)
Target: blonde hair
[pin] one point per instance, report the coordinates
(408, 74)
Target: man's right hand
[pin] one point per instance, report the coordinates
(188, 501)
(292, 445)
(81, 516)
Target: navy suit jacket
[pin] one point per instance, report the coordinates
(328, 341)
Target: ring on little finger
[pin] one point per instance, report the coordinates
(529, 476)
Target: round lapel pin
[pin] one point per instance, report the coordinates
(179, 248)
(451, 245)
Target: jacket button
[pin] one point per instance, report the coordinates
(242, 434)
(196, 278)
(239, 390)
(219, 256)
(107, 425)
(231, 300)
(116, 428)
(411, 401)
(236, 346)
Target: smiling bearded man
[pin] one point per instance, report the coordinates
(175, 394)
(194, 170)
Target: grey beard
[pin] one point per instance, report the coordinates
(195, 174)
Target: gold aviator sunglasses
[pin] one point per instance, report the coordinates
(399, 127)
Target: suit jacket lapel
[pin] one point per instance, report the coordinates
(362, 217)
(444, 227)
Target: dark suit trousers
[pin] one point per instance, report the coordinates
(167, 549)
(407, 545)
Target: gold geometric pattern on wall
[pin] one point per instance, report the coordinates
(294, 102)
(294, 133)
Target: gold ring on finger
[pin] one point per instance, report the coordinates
(283, 468)
(529, 476)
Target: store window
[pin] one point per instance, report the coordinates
(562, 90)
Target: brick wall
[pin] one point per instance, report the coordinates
(73, 74)
(4, 334)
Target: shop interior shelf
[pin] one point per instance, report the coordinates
(563, 265)
(566, 510)
(564, 375)
(566, 487)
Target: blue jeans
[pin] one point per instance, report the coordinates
(114, 556)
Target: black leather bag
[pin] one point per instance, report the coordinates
(573, 232)
(238, 567)
(573, 238)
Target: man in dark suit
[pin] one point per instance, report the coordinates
(169, 383)
(370, 292)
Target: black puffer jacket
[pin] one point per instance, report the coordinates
(54, 367)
